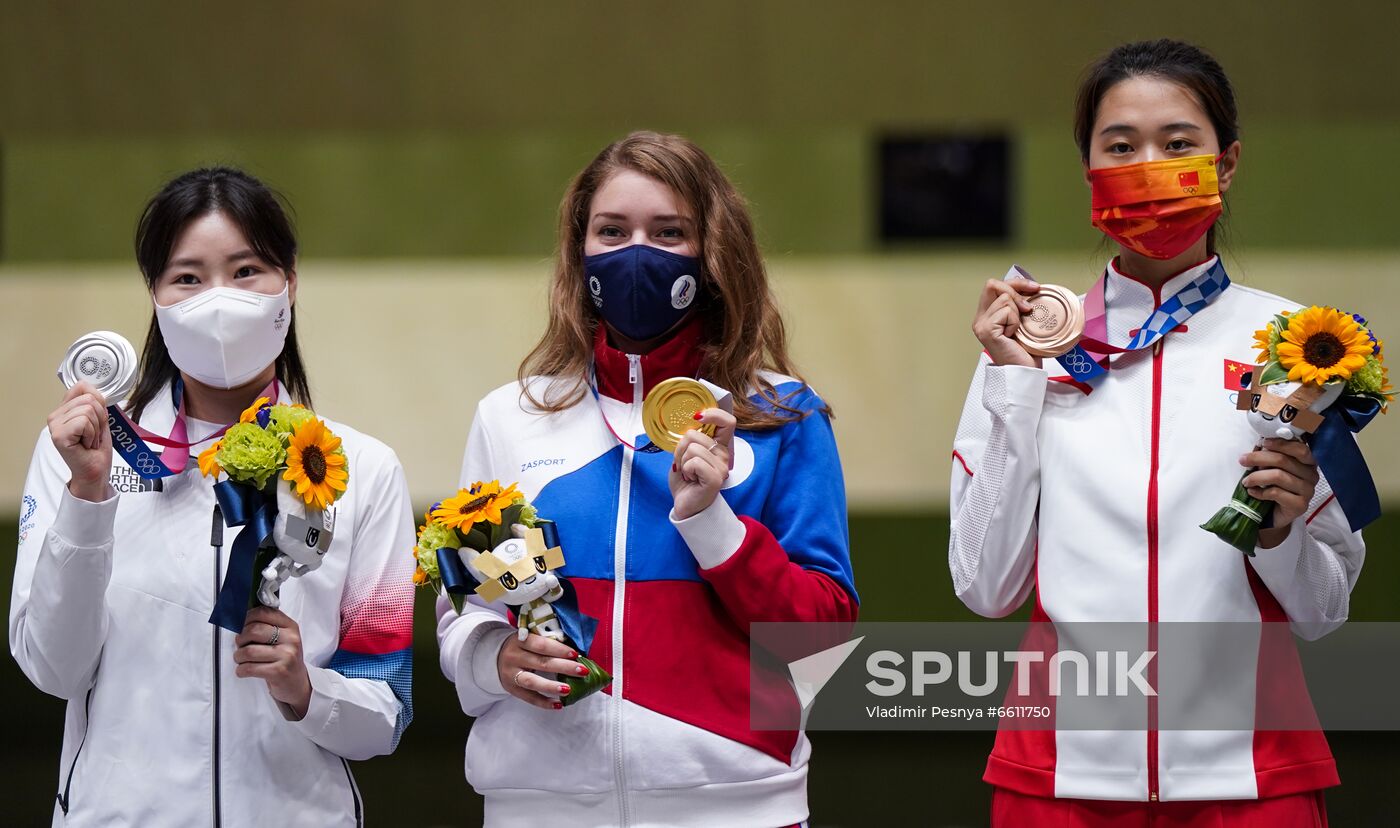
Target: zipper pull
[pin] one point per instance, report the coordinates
(634, 368)
(216, 529)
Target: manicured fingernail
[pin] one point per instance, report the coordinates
(699, 415)
(558, 705)
(582, 670)
(573, 654)
(563, 689)
(673, 467)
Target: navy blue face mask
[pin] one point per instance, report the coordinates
(640, 290)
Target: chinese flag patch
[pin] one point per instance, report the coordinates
(1189, 179)
(1233, 372)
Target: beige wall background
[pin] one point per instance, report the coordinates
(404, 349)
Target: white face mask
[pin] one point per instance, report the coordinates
(225, 337)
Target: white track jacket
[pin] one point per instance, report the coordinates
(110, 611)
(1094, 501)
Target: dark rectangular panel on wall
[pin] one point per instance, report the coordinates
(940, 187)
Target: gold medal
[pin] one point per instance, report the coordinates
(669, 411)
(1054, 324)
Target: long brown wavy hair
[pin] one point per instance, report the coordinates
(743, 332)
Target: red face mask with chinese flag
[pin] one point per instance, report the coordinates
(1157, 208)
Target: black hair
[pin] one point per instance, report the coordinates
(260, 213)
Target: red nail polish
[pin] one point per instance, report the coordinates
(582, 670)
(558, 705)
(673, 467)
(573, 654)
(564, 689)
(699, 415)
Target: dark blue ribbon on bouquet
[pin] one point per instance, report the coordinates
(1340, 458)
(455, 577)
(576, 624)
(256, 511)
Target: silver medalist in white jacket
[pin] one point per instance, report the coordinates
(110, 611)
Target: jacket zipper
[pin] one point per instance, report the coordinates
(354, 793)
(624, 498)
(65, 798)
(1152, 551)
(216, 541)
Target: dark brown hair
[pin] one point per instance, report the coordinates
(743, 330)
(259, 213)
(1186, 65)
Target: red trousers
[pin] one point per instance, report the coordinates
(1014, 810)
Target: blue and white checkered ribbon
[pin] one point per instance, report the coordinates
(1185, 303)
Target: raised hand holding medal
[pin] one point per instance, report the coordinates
(98, 367)
(1054, 323)
(695, 421)
(1000, 309)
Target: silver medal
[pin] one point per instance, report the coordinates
(104, 360)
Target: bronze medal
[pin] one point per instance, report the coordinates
(1054, 324)
(669, 411)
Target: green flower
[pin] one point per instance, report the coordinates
(427, 561)
(285, 419)
(248, 454)
(528, 516)
(435, 536)
(1370, 379)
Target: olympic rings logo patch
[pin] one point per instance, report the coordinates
(1076, 362)
(145, 463)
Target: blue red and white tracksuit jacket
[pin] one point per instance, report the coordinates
(1094, 502)
(669, 743)
(110, 611)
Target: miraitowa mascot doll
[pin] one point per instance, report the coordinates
(520, 572)
(1323, 379)
(302, 536)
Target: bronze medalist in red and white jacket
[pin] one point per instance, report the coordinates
(1095, 500)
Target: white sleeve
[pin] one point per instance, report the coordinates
(362, 698)
(468, 643)
(1313, 571)
(995, 489)
(58, 605)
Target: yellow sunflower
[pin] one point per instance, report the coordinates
(483, 501)
(1262, 340)
(315, 464)
(250, 414)
(1320, 344)
(207, 464)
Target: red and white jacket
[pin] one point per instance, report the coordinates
(1095, 501)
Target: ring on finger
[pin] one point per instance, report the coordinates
(276, 634)
(518, 674)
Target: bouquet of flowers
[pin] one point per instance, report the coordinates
(1322, 377)
(489, 540)
(284, 469)
(289, 439)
